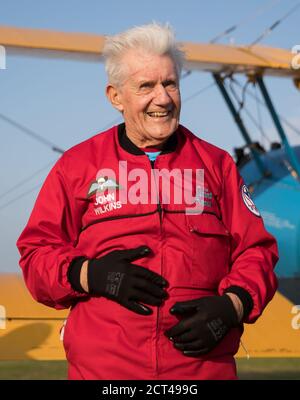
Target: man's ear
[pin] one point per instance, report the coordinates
(113, 95)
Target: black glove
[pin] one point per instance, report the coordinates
(115, 277)
(204, 323)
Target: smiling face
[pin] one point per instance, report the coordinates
(149, 98)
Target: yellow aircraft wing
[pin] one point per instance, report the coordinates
(28, 329)
(33, 331)
(199, 56)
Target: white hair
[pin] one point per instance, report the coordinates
(153, 38)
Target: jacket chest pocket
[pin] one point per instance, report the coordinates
(210, 249)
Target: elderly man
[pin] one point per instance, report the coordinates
(158, 288)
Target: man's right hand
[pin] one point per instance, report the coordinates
(115, 277)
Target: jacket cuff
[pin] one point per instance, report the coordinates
(245, 298)
(73, 274)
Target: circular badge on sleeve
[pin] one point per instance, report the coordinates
(249, 202)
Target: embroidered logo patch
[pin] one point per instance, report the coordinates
(204, 197)
(101, 184)
(106, 198)
(248, 201)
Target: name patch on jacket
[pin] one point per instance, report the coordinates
(104, 202)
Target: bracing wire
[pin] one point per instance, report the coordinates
(245, 21)
(271, 28)
(20, 196)
(256, 124)
(31, 133)
(192, 96)
(259, 116)
(242, 105)
(21, 183)
(282, 119)
(241, 102)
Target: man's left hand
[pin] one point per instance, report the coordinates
(204, 322)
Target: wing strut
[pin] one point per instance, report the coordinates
(237, 118)
(288, 149)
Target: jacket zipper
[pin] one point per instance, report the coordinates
(160, 212)
(159, 207)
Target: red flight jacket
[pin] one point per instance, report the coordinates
(81, 210)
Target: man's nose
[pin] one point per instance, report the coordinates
(161, 96)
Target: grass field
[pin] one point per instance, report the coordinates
(256, 368)
(269, 368)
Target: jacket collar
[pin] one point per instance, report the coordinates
(169, 146)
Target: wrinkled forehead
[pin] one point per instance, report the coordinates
(139, 65)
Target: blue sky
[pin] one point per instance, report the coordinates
(64, 100)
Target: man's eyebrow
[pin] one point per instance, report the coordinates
(142, 81)
(153, 81)
(172, 79)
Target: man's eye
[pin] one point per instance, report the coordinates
(170, 84)
(146, 85)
